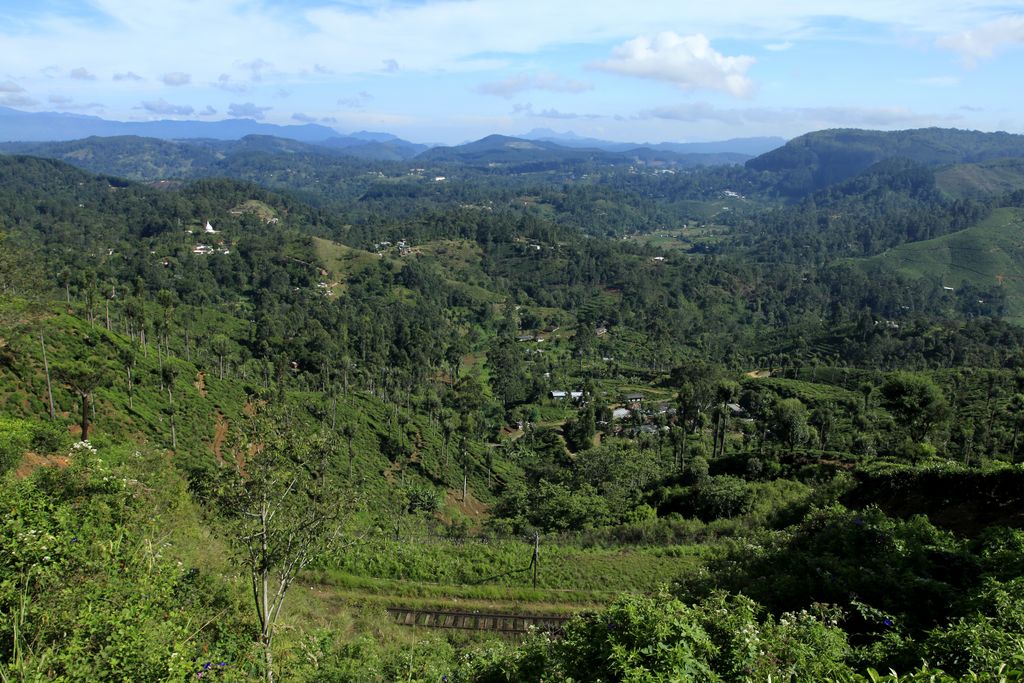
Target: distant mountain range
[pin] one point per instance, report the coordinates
(527, 154)
(23, 127)
(967, 163)
(745, 146)
(20, 126)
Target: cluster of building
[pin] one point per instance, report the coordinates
(207, 249)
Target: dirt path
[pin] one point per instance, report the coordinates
(201, 383)
(219, 434)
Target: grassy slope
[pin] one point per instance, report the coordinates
(342, 262)
(977, 255)
(979, 180)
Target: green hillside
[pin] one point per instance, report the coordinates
(979, 180)
(991, 252)
(816, 160)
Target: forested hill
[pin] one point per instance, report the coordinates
(817, 160)
(536, 154)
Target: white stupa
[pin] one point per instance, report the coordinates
(209, 229)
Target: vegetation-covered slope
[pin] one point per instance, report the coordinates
(987, 254)
(816, 160)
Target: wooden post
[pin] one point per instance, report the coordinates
(536, 556)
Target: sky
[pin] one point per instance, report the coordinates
(448, 71)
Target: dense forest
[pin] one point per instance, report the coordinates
(718, 421)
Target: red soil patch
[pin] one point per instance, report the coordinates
(31, 462)
(472, 508)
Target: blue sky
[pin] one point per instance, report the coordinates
(455, 70)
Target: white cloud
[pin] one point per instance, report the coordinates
(983, 41)
(176, 78)
(390, 65)
(778, 47)
(356, 102)
(513, 85)
(225, 82)
(688, 62)
(163, 107)
(17, 100)
(257, 68)
(306, 118)
(526, 109)
(209, 111)
(127, 76)
(81, 74)
(422, 36)
(807, 117)
(694, 112)
(247, 110)
(555, 114)
(10, 86)
(940, 81)
(69, 104)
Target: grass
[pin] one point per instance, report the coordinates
(343, 262)
(501, 565)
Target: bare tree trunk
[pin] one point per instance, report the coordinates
(49, 387)
(170, 402)
(85, 416)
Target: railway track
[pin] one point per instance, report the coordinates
(477, 621)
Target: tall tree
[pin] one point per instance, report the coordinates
(287, 511)
(916, 402)
(83, 378)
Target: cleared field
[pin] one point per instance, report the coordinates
(342, 262)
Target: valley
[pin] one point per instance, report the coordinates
(668, 400)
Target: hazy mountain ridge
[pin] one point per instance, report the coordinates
(752, 146)
(503, 149)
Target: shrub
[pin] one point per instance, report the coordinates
(15, 438)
